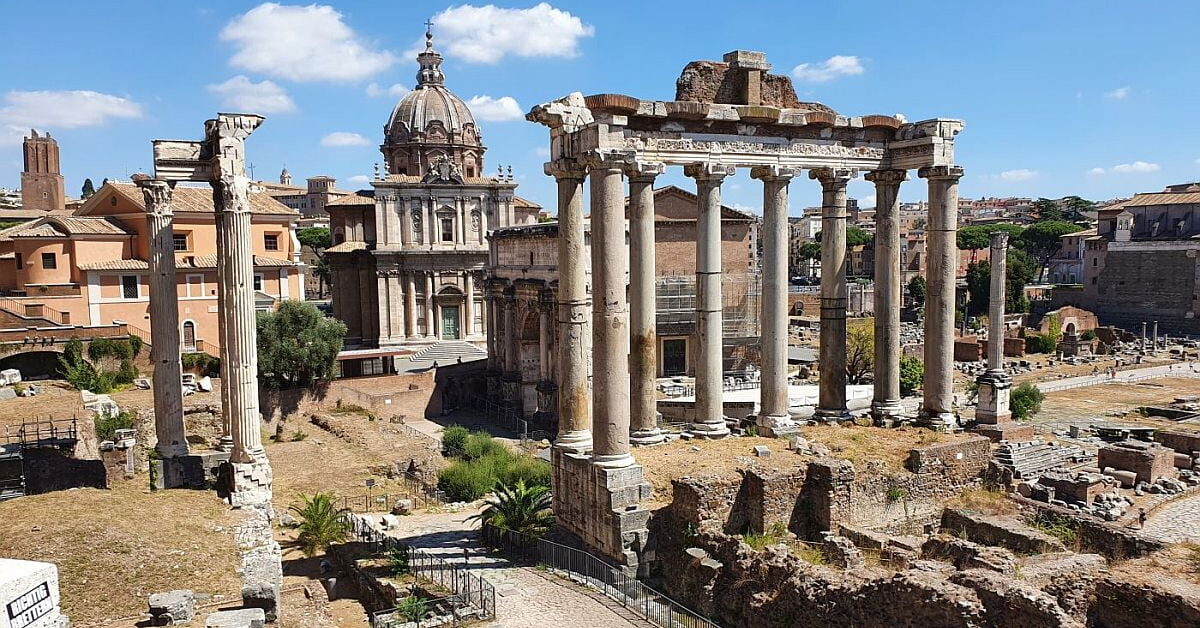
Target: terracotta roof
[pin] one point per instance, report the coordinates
(349, 246)
(197, 261)
(198, 200)
(116, 264)
(63, 226)
(521, 202)
(6, 233)
(1086, 232)
(362, 197)
(1162, 198)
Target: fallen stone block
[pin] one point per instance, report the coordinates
(240, 618)
(172, 607)
(762, 451)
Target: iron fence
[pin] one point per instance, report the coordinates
(421, 494)
(590, 571)
(469, 589)
(731, 382)
(443, 611)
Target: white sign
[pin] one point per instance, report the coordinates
(30, 606)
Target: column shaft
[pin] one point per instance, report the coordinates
(164, 321)
(885, 404)
(544, 327)
(831, 404)
(429, 326)
(941, 268)
(710, 410)
(643, 357)
(773, 405)
(574, 407)
(468, 304)
(410, 305)
(999, 271)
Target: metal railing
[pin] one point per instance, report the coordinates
(37, 432)
(421, 494)
(134, 330)
(728, 384)
(590, 571)
(470, 589)
(15, 306)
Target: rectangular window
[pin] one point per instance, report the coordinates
(179, 241)
(49, 261)
(258, 282)
(195, 286)
(20, 262)
(447, 230)
(129, 286)
(271, 242)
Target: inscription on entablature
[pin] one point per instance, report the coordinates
(792, 148)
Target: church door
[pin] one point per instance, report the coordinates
(450, 322)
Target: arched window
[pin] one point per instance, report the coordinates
(189, 336)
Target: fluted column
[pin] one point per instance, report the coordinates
(831, 403)
(994, 384)
(574, 407)
(429, 313)
(239, 349)
(489, 311)
(937, 407)
(773, 414)
(469, 304)
(885, 404)
(610, 315)
(164, 320)
(710, 410)
(643, 357)
(410, 304)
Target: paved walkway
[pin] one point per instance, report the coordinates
(1176, 522)
(525, 597)
(1177, 369)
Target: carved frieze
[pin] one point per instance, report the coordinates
(652, 144)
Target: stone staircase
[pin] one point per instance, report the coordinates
(444, 353)
(1032, 459)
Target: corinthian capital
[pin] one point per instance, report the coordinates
(709, 171)
(887, 177)
(638, 170)
(950, 173)
(157, 193)
(608, 159)
(565, 169)
(832, 178)
(773, 173)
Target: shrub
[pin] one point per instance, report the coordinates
(107, 424)
(322, 523)
(527, 469)
(398, 562)
(454, 438)
(520, 508)
(466, 481)
(201, 363)
(480, 445)
(412, 608)
(1058, 527)
(135, 343)
(1087, 335)
(127, 372)
(109, 348)
(1041, 343)
(298, 436)
(1026, 401)
(912, 371)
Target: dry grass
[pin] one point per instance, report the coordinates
(1175, 568)
(861, 444)
(984, 502)
(721, 458)
(1096, 402)
(115, 547)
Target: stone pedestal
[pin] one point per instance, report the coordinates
(603, 510)
(993, 406)
(994, 385)
(29, 595)
(197, 470)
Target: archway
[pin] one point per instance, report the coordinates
(34, 364)
(449, 301)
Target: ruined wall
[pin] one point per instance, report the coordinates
(711, 81)
(1181, 441)
(1136, 286)
(48, 469)
(1110, 540)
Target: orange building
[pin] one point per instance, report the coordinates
(89, 267)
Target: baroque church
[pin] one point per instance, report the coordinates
(409, 256)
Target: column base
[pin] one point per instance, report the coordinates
(225, 444)
(579, 441)
(886, 413)
(993, 406)
(613, 461)
(708, 430)
(644, 438)
(195, 471)
(940, 420)
(832, 415)
(247, 484)
(776, 425)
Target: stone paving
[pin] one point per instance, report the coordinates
(525, 597)
(1176, 522)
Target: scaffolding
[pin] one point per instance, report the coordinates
(675, 297)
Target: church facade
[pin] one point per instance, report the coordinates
(410, 255)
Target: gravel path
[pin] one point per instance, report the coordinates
(1176, 522)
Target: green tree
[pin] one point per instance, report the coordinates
(979, 283)
(317, 239)
(1019, 274)
(520, 508)
(88, 189)
(811, 250)
(297, 345)
(860, 352)
(973, 238)
(912, 372)
(854, 237)
(322, 523)
(1075, 208)
(1026, 401)
(916, 290)
(1046, 209)
(1042, 240)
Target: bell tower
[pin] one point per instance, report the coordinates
(41, 181)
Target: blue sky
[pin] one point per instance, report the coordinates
(1090, 98)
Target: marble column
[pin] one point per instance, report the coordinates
(610, 316)
(489, 310)
(410, 305)
(994, 384)
(574, 407)
(937, 407)
(468, 304)
(544, 330)
(231, 199)
(885, 404)
(430, 334)
(831, 403)
(773, 416)
(512, 351)
(226, 442)
(710, 410)
(164, 320)
(643, 357)
(1154, 339)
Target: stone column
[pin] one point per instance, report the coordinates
(610, 316)
(574, 407)
(1143, 343)
(410, 305)
(937, 408)
(544, 331)
(164, 320)
(226, 442)
(710, 410)
(1154, 338)
(429, 313)
(994, 384)
(643, 357)
(773, 417)
(885, 404)
(469, 305)
(831, 403)
(489, 311)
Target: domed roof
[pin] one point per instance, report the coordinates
(430, 101)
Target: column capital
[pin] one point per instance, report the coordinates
(950, 173)
(708, 171)
(157, 193)
(999, 240)
(774, 173)
(644, 171)
(887, 177)
(565, 169)
(836, 177)
(608, 159)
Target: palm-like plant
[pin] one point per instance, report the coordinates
(520, 508)
(322, 523)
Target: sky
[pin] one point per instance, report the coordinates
(1096, 99)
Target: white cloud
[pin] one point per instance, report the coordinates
(301, 43)
(244, 95)
(359, 179)
(500, 109)
(833, 67)
(867, 201)
(488, 33)
(1020, 174)
(339, 139)
(1137, 167)
(395, 91)
(1120, 93)
(60, 110)
(544, 152)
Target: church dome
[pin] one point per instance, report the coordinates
(431, 113)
